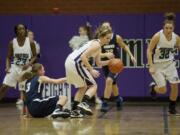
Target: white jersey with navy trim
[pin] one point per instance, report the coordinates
(22, 54)
(76, 73)
(77, 53)
(164, 50)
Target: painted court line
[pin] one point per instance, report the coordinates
(165, 119)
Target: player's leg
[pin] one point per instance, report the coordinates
(76, 112)
(21, 87)
(159, 86)
(3, 90)
(173, 98)
(10, 80)
(85, 104)
(78, 96)
(118, 99)
(107, 94)
(173, 78)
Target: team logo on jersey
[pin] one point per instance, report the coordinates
(109, 46)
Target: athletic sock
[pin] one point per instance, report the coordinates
(86, 99)
(172, 104)
(58, 106)
(116, 97)
(74, 106)
(105, 100)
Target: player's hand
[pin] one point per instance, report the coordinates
(133, 59)
(152, 70)
(25, 67)
(7, 70)
(109, 55)
(95, 73)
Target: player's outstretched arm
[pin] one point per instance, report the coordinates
(125, 47)
(45, 79)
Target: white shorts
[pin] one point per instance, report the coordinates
(77, 74)
(165, 71)
(11, 79)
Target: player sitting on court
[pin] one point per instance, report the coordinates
(36, 104)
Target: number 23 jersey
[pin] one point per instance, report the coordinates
(165, 49)
(22, 54)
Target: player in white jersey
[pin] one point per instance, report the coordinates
(22, 52)
(160, 55)
(37, 45)
(81, 74)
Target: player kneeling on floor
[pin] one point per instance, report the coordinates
(36, 104)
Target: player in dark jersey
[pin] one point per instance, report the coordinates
(39, 106)
(109, 51)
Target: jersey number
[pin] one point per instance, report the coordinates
(21, 61)
(28, 87)
(164, 53)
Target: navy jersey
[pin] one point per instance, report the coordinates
(112, 47)
(33, 89)
(37, 106)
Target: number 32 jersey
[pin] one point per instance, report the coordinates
(22, 54)
(165, 49)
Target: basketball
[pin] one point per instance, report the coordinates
(116, 65)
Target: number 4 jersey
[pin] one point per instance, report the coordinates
(165, 49)
(22, 54)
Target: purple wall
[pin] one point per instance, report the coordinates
(54, 31)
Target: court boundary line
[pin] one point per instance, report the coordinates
(165, 119)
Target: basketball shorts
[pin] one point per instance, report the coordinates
(165, 71)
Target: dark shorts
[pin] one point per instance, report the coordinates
(108, 73)
(42, 107)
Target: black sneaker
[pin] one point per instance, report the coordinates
(105, 107)
(172, 109)
(152, 90)
(172, 112)
(76, 114)
(84, 107)
(119, 103)
(60, 113)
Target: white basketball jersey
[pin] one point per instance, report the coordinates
(22, 54)
(75, 55)
(164, 50)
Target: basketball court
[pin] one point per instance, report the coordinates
(85, 59)
(135, 119)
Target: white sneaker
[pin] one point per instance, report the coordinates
(60, 113)
(98, 100)
(76, 114)
(19, 102)
(84, 107)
